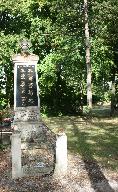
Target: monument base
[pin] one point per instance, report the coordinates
(37, 146)
(28, 130)
(27, 122)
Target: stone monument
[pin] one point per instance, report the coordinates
(32, 142)
(26, 93)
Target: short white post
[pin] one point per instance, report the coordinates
(16, 155)
(61, 154)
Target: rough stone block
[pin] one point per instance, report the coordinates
(16, 155)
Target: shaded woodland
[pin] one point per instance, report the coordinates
(56, 30)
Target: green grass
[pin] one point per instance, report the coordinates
(96, 140)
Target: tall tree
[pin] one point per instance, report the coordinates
(88, 62)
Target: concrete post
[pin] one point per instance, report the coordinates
(16, 155)
(61, 154)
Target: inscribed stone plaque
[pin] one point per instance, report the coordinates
(26, 88)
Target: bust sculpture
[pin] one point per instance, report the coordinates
(25, 45)
(25, 55)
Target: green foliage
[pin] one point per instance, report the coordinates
(86, 110)
(3, 103)
(56, 31)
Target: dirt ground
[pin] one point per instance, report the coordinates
(82, 176)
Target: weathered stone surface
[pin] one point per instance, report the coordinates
(36, 148)
(16, 155)
(27, 114)
(61, 154)
(38, 154)
(20, 58)
(28, 129)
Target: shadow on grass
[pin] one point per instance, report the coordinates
(91, 165)
(107, 142)
(101, 112)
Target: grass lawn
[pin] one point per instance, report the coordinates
(96, 140)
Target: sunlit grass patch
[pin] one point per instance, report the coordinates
(98, 139)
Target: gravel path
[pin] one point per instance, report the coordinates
(82, 176)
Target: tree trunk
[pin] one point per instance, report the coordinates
(88, 62)
(113, 94)
(113, 102)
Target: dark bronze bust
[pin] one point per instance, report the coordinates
(25, 45)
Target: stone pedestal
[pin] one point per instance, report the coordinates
(61, 154)
(28, 129)
(27, 121)
(16, 155)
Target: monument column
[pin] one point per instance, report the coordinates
(30, 138)
(26, 93)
